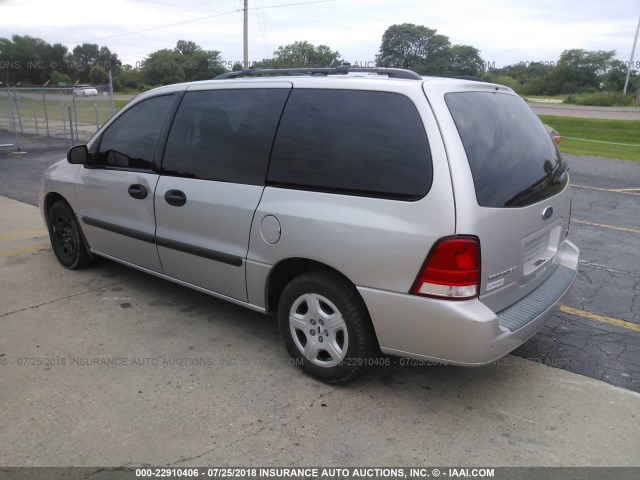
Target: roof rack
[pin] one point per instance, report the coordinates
(390, 72)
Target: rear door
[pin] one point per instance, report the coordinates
(511, 188)
(213, 176)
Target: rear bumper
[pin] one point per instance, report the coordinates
(466, 332)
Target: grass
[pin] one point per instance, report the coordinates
(603, 99)
(603, 130)
(120, 103)
(86, 109)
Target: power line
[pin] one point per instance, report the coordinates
(292, 4)
(263, 30)
(210, 16)
(166, 26)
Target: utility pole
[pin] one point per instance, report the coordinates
(629, 68)
(245, 59)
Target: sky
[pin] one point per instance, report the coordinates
(505, 31)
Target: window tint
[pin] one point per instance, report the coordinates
(513, 160)
(130, 141)
(348, 141)
(224, 135)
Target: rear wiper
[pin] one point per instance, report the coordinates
(560, 174)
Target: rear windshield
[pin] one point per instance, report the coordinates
(513, 160)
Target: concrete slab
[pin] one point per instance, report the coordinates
(113, 367)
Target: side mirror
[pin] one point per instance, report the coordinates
(78, 155)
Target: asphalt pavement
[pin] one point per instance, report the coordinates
(597, 333)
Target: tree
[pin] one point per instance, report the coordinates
(186, 62)
(59, 79)
(301, 55)
(109, 61)
(81, 59)
(579, 70)
(163, 67)
(30, 60)
(614, 79)
(415, 47)
(98, 75)
(465, 60)
(187, 48)
(89, 55)
(130, 77)
(199, 64)
(524, 78)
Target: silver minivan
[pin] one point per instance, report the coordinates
(372, 211)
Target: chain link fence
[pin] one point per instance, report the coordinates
(52, 116)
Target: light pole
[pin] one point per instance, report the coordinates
(245, 58)
(633, 51)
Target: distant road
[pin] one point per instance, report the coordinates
(615, 113)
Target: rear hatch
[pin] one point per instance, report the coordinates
(511, 188)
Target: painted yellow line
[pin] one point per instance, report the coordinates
(20, 251)
(25, 234)
(600, 318)
(623, 229)
(610, 190)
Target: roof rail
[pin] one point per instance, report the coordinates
(390, 72)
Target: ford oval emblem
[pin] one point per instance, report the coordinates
(547, 213)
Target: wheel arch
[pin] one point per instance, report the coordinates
(286, 270)
(51, 198)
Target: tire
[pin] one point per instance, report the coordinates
(326, 327)
(66, 238)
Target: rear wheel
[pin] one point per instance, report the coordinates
(326, 326)
(66, 238)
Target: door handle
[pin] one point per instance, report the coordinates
(138, 191)
(176, 198)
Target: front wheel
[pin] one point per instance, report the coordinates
(66, 238)
(326, 326)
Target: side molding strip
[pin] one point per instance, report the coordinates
(165, 242)
(111, 227)
(200, 251)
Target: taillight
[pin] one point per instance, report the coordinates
(556, 139)
(452, 270)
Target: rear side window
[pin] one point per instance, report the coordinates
(353, 142)
(513, 160)
(224, 135)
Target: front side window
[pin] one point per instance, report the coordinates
(130, 141)
(352, 142)
(224, 135)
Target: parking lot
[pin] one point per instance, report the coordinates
(109, 366)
